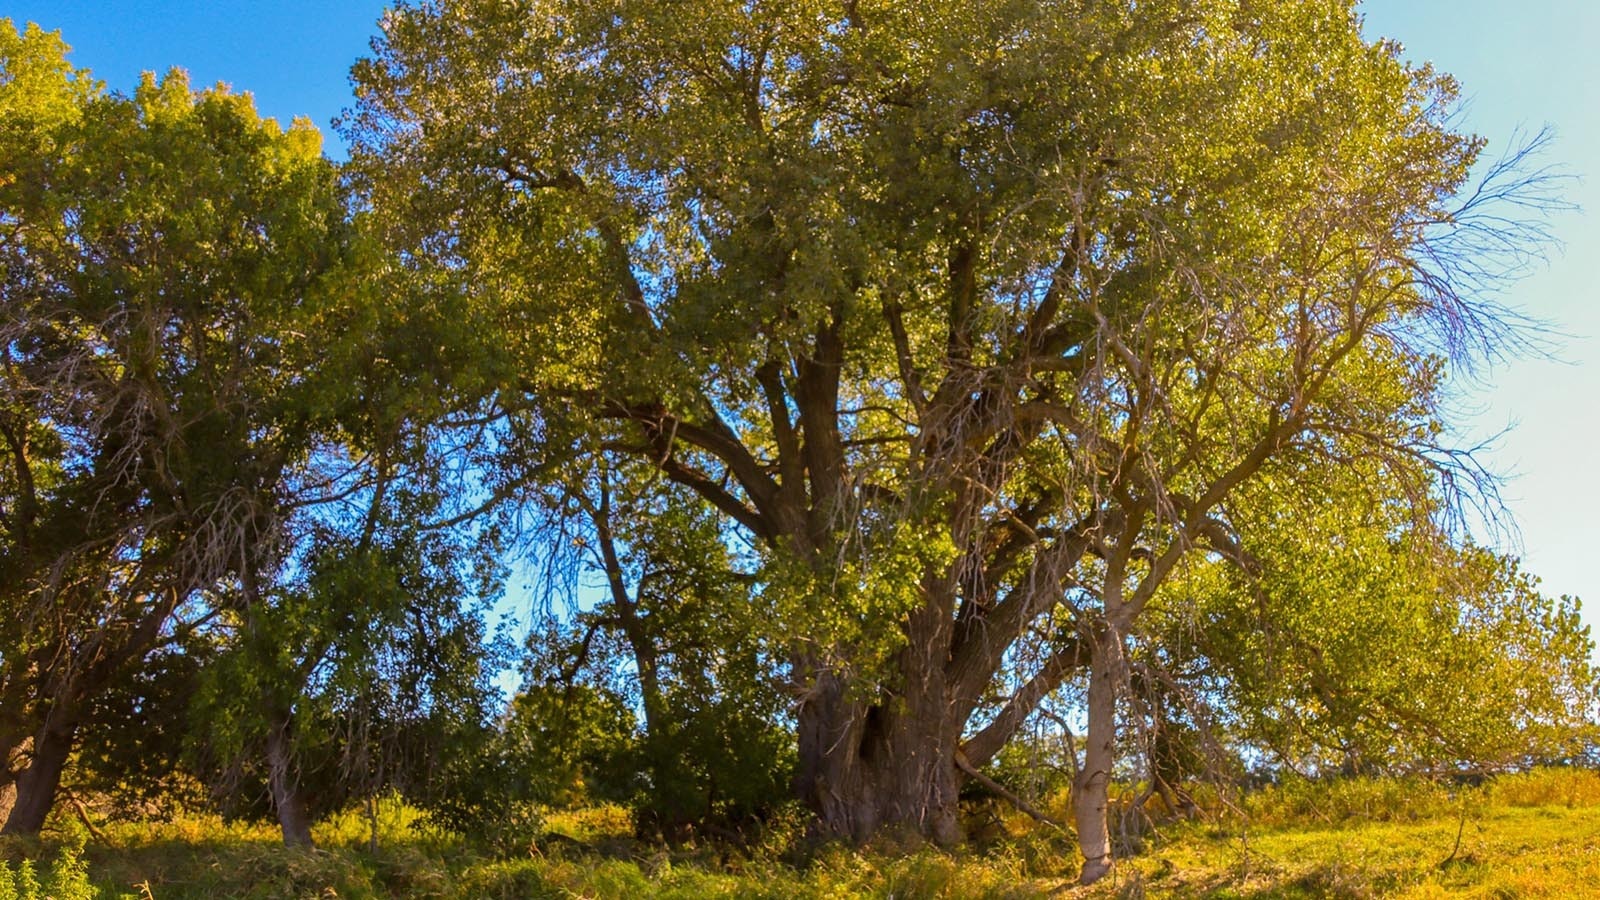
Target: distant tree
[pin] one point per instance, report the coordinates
(135, 739)
(363, 669)
(977, 320)
(672, 631)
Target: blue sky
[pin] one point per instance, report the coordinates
(1525, 65)
(293, 55)
(1522, 66)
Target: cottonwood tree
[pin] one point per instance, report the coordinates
(362, 671)
(169, 261)
(362, 641)
(971, 317)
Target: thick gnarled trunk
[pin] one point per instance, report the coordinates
(888, 767)
(13, 753)
(885, 769)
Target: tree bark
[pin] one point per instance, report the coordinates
(14, 750)
(283, 782)
(889, 767)
(1091, 788)
(36, 785)
(891, 780)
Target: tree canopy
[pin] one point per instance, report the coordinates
(164, 258)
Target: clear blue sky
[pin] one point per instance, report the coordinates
(1522, 64)
(293, 55)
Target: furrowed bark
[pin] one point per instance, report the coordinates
(889, 766)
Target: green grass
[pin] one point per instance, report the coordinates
(1544, 851)
(1535, 835)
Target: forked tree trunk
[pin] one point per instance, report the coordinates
(284, 784)
(36, 785)
(1091, 787)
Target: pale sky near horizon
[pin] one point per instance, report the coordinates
(1522, 66)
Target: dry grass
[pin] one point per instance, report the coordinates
(1534, 835)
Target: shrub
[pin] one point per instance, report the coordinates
(68, 879)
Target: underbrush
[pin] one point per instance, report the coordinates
(66, 878)
(1308, 802)
(1569, 787)
(1299, 801)
(1535, 834)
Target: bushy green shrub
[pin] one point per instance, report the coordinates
(66, 879)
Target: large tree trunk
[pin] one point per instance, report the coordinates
(888, 767)
(284, 784)
(1091, 788)
(36, 785)
(894, 777)
(828, 776)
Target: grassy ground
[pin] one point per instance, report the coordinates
(1505, 852)
(1535, 835)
